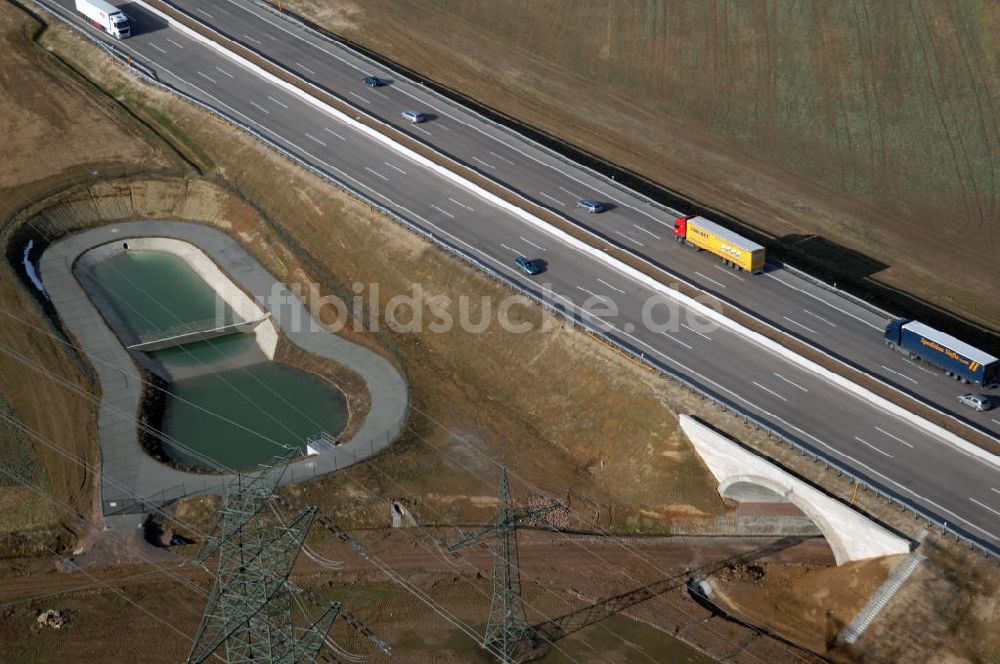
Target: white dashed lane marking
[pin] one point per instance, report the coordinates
(590, 292)
(920, 368)
(793, 384)
(898, 373)
(862, 440)
(691, 329)
(818, 317)
(708, 278)
(553, 199)
(896, 438)
(460, 204)
(676, 340)
(729, 272)
(985, 506)
(611, 287)
(444, 212)
(333, 133)
(767, 389)
(630, 239)
(501, 158)
(539, 247)
(795, 322)
(647, 232)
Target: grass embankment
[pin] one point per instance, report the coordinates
(597, 429)
(594, 426)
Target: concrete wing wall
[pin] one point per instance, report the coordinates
(852, 535)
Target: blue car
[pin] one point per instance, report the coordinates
(374, 81)
(591, 206)
(527, 265)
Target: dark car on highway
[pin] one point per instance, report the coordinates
(527, 265)
(374, 81)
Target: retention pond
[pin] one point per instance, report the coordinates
(226, 404)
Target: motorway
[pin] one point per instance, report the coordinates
(800, 308)
(890, 452)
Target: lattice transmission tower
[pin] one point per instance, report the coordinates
(249, 612)
(507, 630)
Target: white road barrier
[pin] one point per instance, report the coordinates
(630, 272)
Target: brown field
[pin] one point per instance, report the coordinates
(872, 125)
(606, 438)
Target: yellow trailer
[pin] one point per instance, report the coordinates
(733, 249)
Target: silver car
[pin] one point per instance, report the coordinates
(980, 402)
(591, 205)
(414, 116)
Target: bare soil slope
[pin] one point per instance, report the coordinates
(871, 124)
(603, 431)
(57, 130)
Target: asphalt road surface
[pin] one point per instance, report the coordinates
(890, 452)
(813, 314)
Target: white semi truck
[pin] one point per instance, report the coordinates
(105, 16)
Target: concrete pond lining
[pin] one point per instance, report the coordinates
(131, 480)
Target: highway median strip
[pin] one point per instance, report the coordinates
(832, 369)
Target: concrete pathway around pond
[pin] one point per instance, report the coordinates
(131, 479)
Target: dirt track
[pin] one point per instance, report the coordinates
(561, 575)
(305, 232)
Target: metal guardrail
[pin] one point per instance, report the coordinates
(554, 306)
(593, 233)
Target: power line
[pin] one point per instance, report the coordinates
(599, 528)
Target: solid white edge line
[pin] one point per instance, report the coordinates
(759, 339)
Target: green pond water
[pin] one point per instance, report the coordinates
(154, 291)
(241, 417)
(200, 353)
(236, 417)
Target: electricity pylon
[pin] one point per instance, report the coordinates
(249, 610)
(508, 625)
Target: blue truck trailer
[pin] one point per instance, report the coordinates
(957, 358)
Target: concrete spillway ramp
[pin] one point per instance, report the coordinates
(745, 476)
